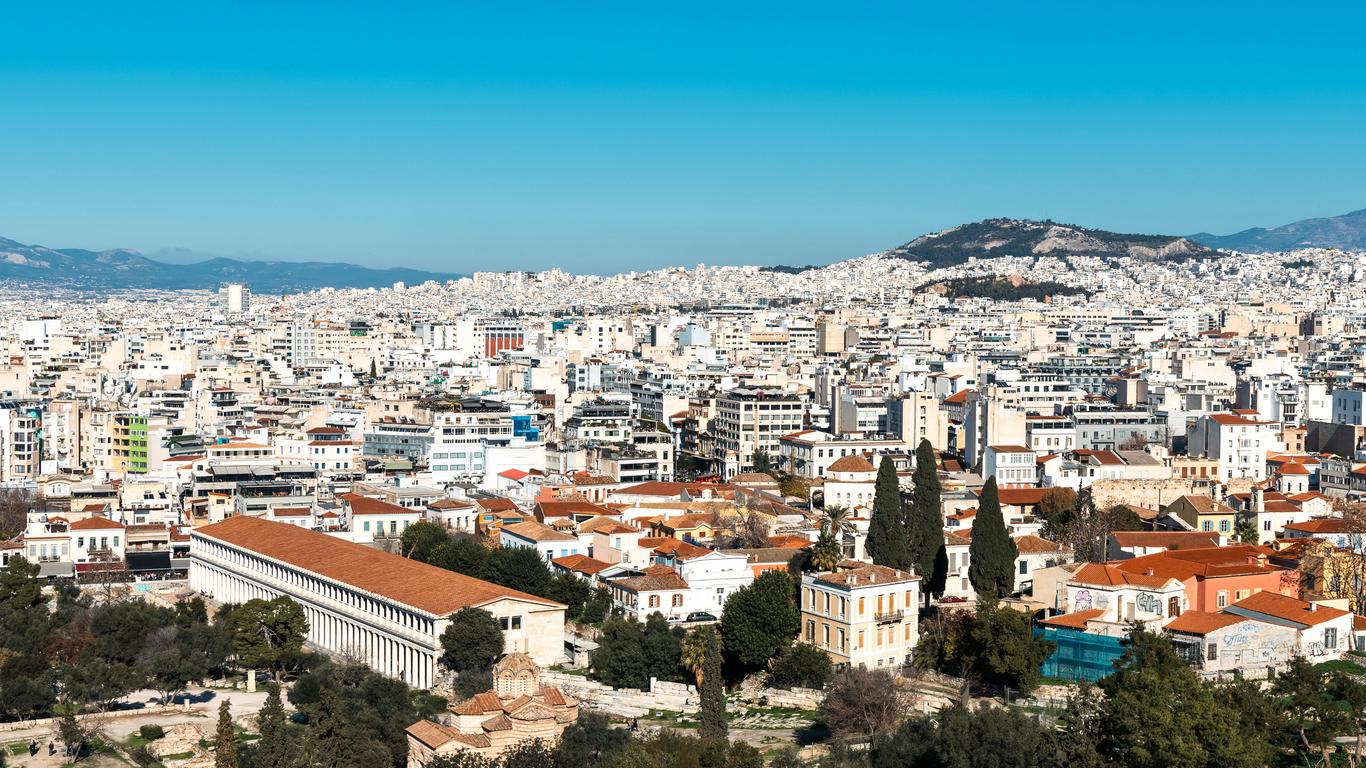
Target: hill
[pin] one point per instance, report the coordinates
(121, 268)
(1346, 232)
(1016, 237)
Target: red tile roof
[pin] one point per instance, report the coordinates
(94, 524)
(364, 505)
(854, 462)
(1319, 525)
(1202, 622)
(1280, 606)
(435, 590)
(582, 564)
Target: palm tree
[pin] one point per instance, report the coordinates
(694, 655)
(826, 553)
(835, 520)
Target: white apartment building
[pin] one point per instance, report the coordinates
(1011, 465)
(809, 453)
(749, 420)
(1239, 443)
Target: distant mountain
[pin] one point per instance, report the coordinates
(121, 268)
(1347, 232)
(1016, 237)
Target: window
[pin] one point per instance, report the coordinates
(1212, 651)
(677, 601)
(1221, 599)
(1223, 526)
(1024, 567)
(810, 631)
(1207, 525)
(654, 601)
(1330, 637)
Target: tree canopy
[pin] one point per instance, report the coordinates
(760, 620)
(991, 566)
(269, 633)
(925, 524)
(888, 540)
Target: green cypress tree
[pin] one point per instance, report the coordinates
(712, 717)
(992, 554)
(275, 747)
(887, 538)
(926, 524)
(225, 742)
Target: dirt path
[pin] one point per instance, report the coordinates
(201, 708)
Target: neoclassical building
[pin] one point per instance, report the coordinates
(385, 610)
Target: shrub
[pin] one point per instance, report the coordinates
(802, 666)
(151, 732)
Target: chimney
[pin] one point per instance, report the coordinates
(1148, 572)
(1313, 606)
(1258, 499)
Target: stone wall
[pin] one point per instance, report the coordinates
(625, 702)
(1151, 494)
(796, 698)
(100, 717)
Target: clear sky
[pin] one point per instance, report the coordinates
(609, 136)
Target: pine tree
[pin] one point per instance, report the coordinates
(225, 742)
(926, 524)
(992, 554)
(887, 538)
(274, 749)
(712, 717)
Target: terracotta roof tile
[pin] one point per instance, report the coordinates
(435, 590)
(1287, 608)
(1202, 622)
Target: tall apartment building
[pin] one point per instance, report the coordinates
(235, 298)
(1239, 443)
(917, 416)
(749, 420)
(461, 433)
(21, 435)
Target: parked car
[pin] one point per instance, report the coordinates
(701, 616)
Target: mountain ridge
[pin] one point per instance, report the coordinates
(121, 268)
(1346, 232)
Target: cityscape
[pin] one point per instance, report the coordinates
(688, 479)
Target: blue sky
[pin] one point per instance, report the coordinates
(607, 136)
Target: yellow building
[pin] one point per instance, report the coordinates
(1202, 513)
(861, 614)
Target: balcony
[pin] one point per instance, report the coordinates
(890, 617)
